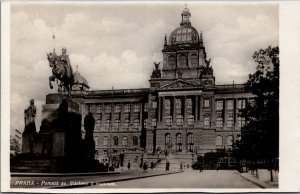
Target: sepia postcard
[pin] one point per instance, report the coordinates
(140, 96)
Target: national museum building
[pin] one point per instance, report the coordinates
(183, 111)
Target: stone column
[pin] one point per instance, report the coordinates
(200, 108)
(131, 113)
(174, 108)
(158, 106)
(163, 109)
(196, 107)
(141, 115)
(185, 112)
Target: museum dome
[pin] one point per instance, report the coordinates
(186, 33)
(80, 82)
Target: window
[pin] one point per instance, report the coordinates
(125, 141)
(179, 120)
(135, 140)
(190, 119)
(167, 104)
(242, 104)
(219, 141)
(146, 123)
(189, 103)
(127, 108)
(99, 108)
(98, 122)
(146, 107)
(154, 123)
(107, 124)
(190, 139)
(230, 140)
(179, 142)
(230, 122)
(117, 124)
(241, 121)
(168, 139)
(230, 104)
(126, 123)
(137, 107)
(169, 120)
(206, 103)
(178, 103)
(96, 141)
(136, 123)
(172, 61)
(154, 104)
(194, 60)
(92, 109)
(219, 123)
(117, 108)
(206, 121)
(116, 141)
(105, 141)
(182, 62)
(108, 108)
(219, 105)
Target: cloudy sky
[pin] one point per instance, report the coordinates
(115, 44)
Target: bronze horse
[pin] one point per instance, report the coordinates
(59, 72)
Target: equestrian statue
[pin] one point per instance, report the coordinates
(61, 70)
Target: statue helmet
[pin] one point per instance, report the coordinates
(64, 49)
(31, 101)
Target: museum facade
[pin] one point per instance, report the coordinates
(183, 110)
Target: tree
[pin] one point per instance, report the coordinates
(260, 135)
(15, 147)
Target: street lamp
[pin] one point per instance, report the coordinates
(154, 124)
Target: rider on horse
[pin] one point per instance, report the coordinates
(64, 58)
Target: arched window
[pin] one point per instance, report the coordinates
(230, 141)
(117, 124)
(179, 120)
(172, 61)
(182, 60)
(179, 142)
(96, 141)
(219, 122)
(169, 120)
(194, 60)
(190, 119)
(136, 123)
(219, 141)
(168, 141)
(135, 140)
(107, 124)
(105, 141)
(126, 123)
(230, 122)
(116, 141)
(146, 123)
(125, 141)
(190, 139)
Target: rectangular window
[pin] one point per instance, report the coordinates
(117, 108)
(167, 104)
(137, 107)
(154, 104)
(230, 104)
(108, 108)
(219, 123)
(219, 105)
(206, 121)
(206, 103)
(241, 121)
(189, 103)
(127, 108)
(242, 104)
(154, 123)
(146, 107)
(230, 122)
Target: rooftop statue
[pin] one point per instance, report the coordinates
(61, 69)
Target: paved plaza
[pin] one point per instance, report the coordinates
(152, 179)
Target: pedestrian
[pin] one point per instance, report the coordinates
(128, 166)
(218, 166)
(181, 167)
(167, 166)
(201, 168)
(152, 165)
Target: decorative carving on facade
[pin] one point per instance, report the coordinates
(206, 70)
(156, 73)
(179, 84)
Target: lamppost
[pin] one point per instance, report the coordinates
(154, 124)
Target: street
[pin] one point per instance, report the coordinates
(188, 179)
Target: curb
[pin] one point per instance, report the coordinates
(113, 180)
(254, 182)
(18, 174)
